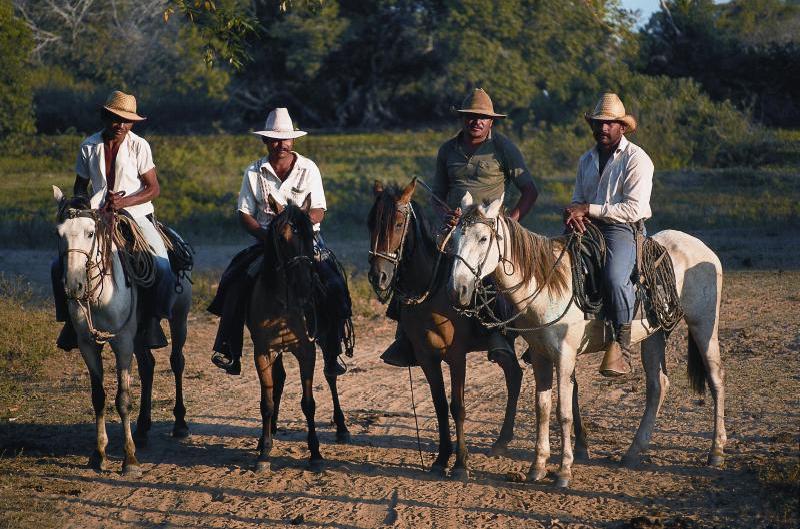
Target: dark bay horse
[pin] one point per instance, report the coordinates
(404, 259)
(104, 308)
(281, 318)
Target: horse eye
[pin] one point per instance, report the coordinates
(398, 225)
(484, 239)
(89, 235)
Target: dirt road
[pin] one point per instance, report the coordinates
(208, 480)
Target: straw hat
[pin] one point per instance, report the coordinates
(610, 108)
(479, 102)
(279, 126)
(122, 105)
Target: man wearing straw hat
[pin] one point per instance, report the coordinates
(286, 175)
(120, 163)
(612, 191)
(479, 161)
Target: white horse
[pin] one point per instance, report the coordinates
(103, 307)
(540, 288)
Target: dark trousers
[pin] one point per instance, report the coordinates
(618, 289)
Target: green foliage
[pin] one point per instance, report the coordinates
(15, 95)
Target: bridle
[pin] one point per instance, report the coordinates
(483, 297)
(97, 262)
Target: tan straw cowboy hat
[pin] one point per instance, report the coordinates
(610, 108)
(279, 126)
(122, 105)
(479, 102)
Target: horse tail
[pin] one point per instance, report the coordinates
(696, 368)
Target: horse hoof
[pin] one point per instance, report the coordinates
(180, 431)
(343, 438)
(459, 474)
(716, 460)
(537, 474)
(316, 465)
(263, 467)
(630, 462)
(438, 470)
(98, 462)
(260, 445)
(562, 482)
(132, 471)
(498, 449)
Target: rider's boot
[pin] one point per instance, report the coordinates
(501, 345)
(154, 337)
(527, 356)
(617, 360)
(400, 353)
(230, 363)
(333, 366)
(67, 339)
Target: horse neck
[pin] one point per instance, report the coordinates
(419, 256)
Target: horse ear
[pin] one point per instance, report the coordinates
(377, 188)
(96, 199)
(493, 208)
(306, 207)
(408, 192)
(58, 195)
(467, 201)
(273, 204)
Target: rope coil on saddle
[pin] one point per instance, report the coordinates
(659, 277)
(180, 252)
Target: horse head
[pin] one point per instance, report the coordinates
(291, 234)
(477, 248)
(388, 222)
(79, 241)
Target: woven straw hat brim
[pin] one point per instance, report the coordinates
(124, 114)
(627, 119)
(481, 112)
(281, 135)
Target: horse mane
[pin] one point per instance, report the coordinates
(535, 255)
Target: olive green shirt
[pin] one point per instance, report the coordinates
(484, 174)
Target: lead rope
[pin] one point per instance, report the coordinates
(416, 421)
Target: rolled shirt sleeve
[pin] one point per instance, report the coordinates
(247, 198)
(439, 185)
(315, 187)
(515, 169)
(144, 157)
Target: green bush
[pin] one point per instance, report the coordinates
(16, 104)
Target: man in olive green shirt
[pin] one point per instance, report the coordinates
(482, 162)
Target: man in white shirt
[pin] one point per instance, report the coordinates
(612, 190)
(287, 176)
(120, 163)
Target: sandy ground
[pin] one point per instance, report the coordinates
(208, 480)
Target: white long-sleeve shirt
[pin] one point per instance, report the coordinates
(622, 192)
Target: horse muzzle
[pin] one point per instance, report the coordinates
(460, 292)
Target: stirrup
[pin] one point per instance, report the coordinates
(233, 366)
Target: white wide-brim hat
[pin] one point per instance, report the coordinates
(279, 126)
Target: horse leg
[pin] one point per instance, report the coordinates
(657, 384)
(145, 364)
(309, 406)
(581, 444)
(342, 433)
(513, 376)
(458, 370)
(94, 364)
(264, 363)
(706, 344)
(130, 466)
(543, 373)
(177, 329)
(278, 380)
(431, 367)
(564, 370)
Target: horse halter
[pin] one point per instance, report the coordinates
(471, 220)
(396, 257)
(95, 261)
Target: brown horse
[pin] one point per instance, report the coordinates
(281, 318)
(404, 260)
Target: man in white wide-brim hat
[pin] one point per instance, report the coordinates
(612, 190)
(120, 163)
(287, 176)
